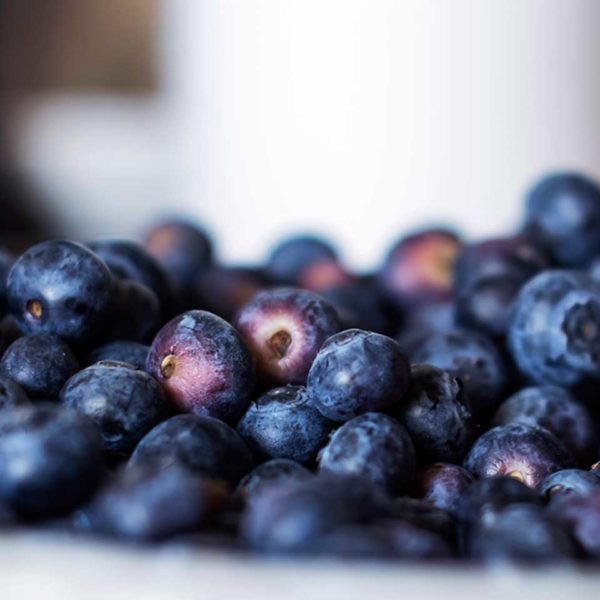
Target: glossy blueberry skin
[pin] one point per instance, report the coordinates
(134, 353)
(202, 444)
(11, 394)
(40, 364)
(437, 415)
(123, 402)
(557, 410)
(203, 365)
(143, 504)
(568, 481)
(443, 485)
(50, 460)
(284, 423)
(554, 336)
(284, 329)
(374, 447)
(563, 214)
(525, 452)
(470, 356)
(61, 288)
(356, 372)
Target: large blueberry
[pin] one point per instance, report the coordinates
(443, 485)
(11, 394)
(569, 481)
(134, 353)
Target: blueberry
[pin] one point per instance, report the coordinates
(556, 410)
(594, 269)
(421, 514)
(284, 330)
(322, 275)
(372, 446)
(568, 481)
(202, 444)
(284, 423)
(468, 355)
(412, 543)
(144, 504)
(353, 542)
(40, 364)
(443, 485)
(50, 460)
(61, 288)
(134, 353)
(437, 415)
(203, 365)
(11, 394)
(125, 403)
(524, 452)
(595, 468)
(563, 214)
(554, 334)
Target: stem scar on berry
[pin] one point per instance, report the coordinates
(35, 308)
(517, 475)
(279, 343)
(168, 365)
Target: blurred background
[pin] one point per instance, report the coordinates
(355, 118)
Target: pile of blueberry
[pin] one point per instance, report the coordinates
(444, 407)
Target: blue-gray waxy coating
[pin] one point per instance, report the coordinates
(125, 403)
(568, 481)
(284, 423)
(443, 485)
(272, 472)
(11, 394)
(200, 443)
(40, 364)
(357, 372)
(554, 336)
(375, 447)
(133, 353)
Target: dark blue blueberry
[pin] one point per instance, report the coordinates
(443, 485)
(40, 364)
(437, 415)
(203, 444)
(426, 318)
(594, 269)
(50, 460)
(284, 329)
(374, 447)
(11, 394)
(284, 423)
(554, 335)
(203, 365)
(134, 353)
(123, 402)
(468, 355)
(421, 514)
(556, 410)
(412, 543)
(6, 262)
(61, 288)
(576, 481)
(595, 468)
(524, 452)
(563, 214)
(354, 542)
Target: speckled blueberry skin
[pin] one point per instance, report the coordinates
(11, 394)
(61, 288)
(203, 365)
(563, 213)
(557, 410)
(524, 452)
(568, 481)
(40, 364)
(437, 415)
(443, 485)
(123, 402)
(470, 356)
(284, 423)
(145, 504)
(554, 336)
(200, 443)
(374, 447)
(284, 329)
(50, 460)
(133, 353)
(356, 372)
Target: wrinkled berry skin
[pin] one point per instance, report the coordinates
(145, 504)
(284, 329)
(133, 353)
(11, 394)
(356, 372)
(470, 356)
(443, 485)
(205, 445)
(284, 423)
(40, 364)
(525, 452)
(374, 447)
(554, 336)
(61, 288)
(50, 460)
(123, 402)
(563, 214)
(568, 481)
(556, 410)
(437, 415)
(203, 366)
